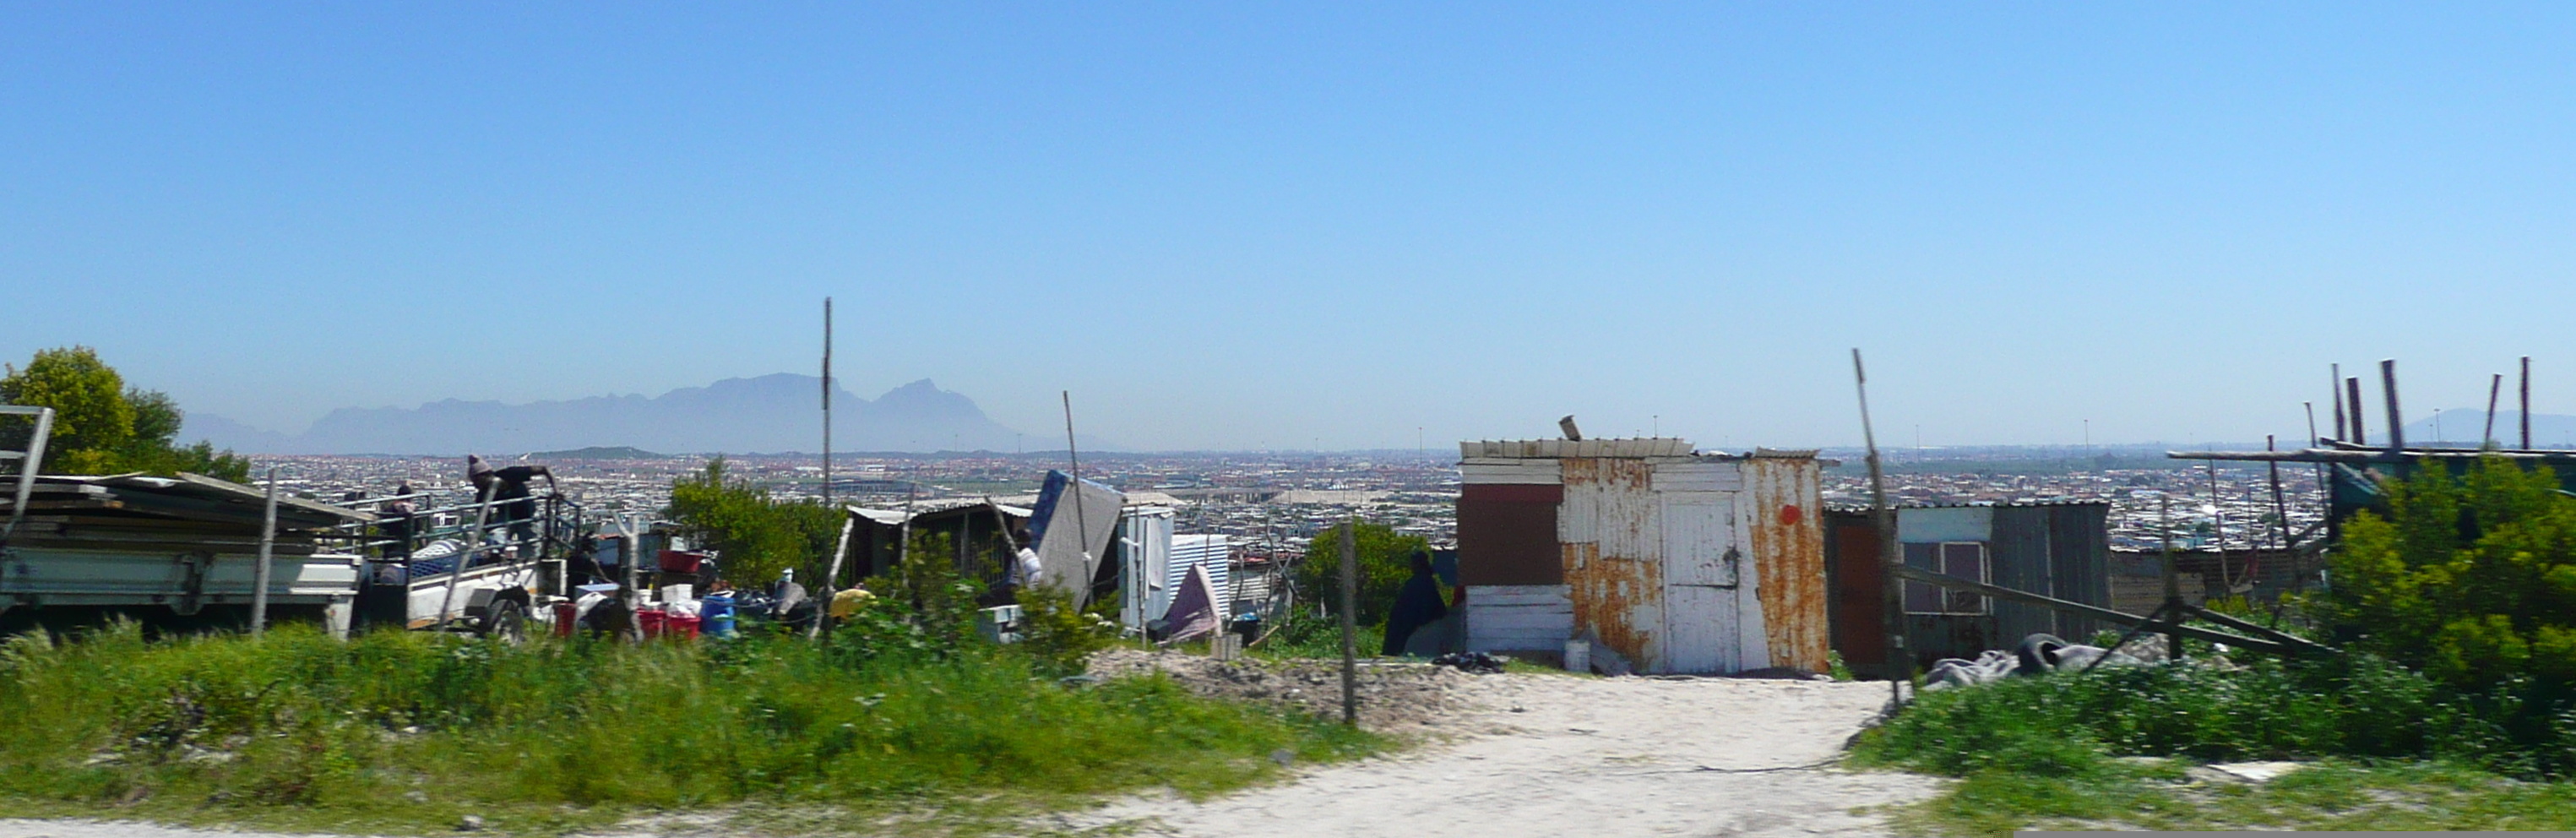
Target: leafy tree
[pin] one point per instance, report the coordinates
(101, 426)
(1384, 563)
(758, 536)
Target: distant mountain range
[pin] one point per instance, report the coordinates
(770, 413)
(2463, 426)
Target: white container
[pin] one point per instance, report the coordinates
(1578, 656)
(678, 593)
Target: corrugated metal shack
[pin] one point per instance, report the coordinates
(2054, 549)
(1679, 561)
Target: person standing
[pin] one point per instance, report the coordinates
(512, 504)
(1416, 605)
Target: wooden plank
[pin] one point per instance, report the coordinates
(2100, 613)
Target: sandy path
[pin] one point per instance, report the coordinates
(1625, 756)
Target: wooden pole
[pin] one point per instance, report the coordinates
(634, 588)
(1350, 618)
(832, 573)
(1891, 555)
(2494, 389)
(2334, 387)
(2526, 402)
(2289, 547)
(2388, 391)
(2352, 394)
(456, 575)
(1080, 589)
(267, 552)
(2173, 579)
(827, 413)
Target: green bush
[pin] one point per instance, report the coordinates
(1385, 561)
(295, 725)
(757, 535)
(1059, 638)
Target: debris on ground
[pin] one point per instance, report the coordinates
(2038, 654)
(1472, 663)
(2242, 772)
(1394, 695)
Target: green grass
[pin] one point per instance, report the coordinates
(407, 732)
(2392, 752)
(2332, 795)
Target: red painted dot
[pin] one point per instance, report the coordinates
(1789, 515)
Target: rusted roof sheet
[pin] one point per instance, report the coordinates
(1568, 448)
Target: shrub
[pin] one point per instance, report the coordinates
(1385, 561)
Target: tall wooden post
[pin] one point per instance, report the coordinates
(2352, 394)
(1891, 555)
(2526, 402)
(1350, 617)
(2494, 389)
(267, 552)
(2396, 420)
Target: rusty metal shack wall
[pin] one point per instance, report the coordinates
(1788, 538)
(2060, 550)
(1676, 561)
(1610, 537)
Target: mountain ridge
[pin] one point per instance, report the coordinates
(775, 412)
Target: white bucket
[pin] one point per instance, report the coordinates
(1578, 656)
(678, 593)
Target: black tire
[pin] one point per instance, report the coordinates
(507, 620)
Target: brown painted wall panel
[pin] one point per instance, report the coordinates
(1507, 535)
(1859, 610)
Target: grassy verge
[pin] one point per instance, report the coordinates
(2112, 749)
(409, 732)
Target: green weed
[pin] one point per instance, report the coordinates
(398, 731)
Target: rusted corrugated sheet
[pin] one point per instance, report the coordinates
(1789, 559)
(1612, 553)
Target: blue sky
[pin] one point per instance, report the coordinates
(1239, 225)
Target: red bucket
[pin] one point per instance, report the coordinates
(675, 561)
(564, 612)
(652, 621)
(682, 627)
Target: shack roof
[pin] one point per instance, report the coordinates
(193, 497)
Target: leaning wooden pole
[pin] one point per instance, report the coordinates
(1350, 619)
(2334, 387)
(2494, 389)
(1891, 555)
(832, 574)
(2352, 394)
(2396, 419)
(267, 554)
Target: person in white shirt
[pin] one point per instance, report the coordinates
(1029, 573)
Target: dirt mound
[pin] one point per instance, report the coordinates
(1393, 696)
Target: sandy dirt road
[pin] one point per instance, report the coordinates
(1579, 756)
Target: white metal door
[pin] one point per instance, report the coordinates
(1701, 574)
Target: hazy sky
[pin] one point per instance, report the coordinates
(1230, 225)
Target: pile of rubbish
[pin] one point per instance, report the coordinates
(2040, 654)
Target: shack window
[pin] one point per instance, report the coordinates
(1964, 559)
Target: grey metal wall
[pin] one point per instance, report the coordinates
(2019, 551)
(2080, 553)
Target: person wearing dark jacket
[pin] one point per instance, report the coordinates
(1416, 605)
(508, 487)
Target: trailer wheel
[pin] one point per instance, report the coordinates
(507, 620)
